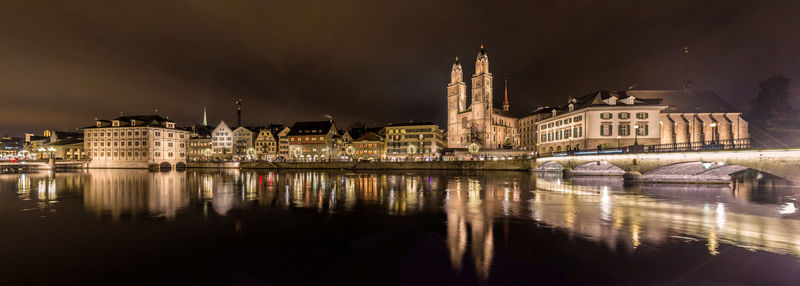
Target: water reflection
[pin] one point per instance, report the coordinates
(135, 192)
(657, 212)
(758, 215)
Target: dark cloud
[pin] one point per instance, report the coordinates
(62, 63)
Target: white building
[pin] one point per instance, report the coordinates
(222, 141)
(135, 142)
(600, 120)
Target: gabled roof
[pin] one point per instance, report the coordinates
(370, 136)
(221, 124)
(311, 128)
(253, 129)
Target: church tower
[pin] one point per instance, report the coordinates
(482, 99)
(456, 103)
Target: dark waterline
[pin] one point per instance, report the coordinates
(378, 228)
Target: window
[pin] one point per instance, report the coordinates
(641, 115)
(624, 115)
(642, 130)
(605, 129)
(624, 129)
(605, 115)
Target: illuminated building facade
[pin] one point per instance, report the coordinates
(528, 129)
(222, 141)
(243, 142)
(283, 143)
(369, 147)
(135, 142)
(600, 120)
(267, 142)
(479, 122)
(414, 141)
(313, 141)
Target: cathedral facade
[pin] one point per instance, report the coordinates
(477, 120)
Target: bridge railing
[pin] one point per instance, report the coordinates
(728, 144)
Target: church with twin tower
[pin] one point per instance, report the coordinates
(478, 121)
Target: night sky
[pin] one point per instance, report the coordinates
(370, 61)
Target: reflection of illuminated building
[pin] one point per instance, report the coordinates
(132, 192)
(697, 211)
(466, 207)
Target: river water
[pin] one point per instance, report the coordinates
(208, 227)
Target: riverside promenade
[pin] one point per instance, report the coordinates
(501, 165)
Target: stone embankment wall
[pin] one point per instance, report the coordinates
(213, 165)
(515, 165)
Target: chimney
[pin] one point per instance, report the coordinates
(239, 112)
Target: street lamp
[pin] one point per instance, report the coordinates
(619, 145)
(713, 133)
(636, 134)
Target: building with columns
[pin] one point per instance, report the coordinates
(477, 120)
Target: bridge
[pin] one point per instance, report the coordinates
(690, 166)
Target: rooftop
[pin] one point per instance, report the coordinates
(311, 128)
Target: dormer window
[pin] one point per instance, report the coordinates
(115, 123)
(133, 122)
(98, 123)
(170, 125)
(629, 100)
(612, 100)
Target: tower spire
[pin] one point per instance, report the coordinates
(505, 101)
(205, 122)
